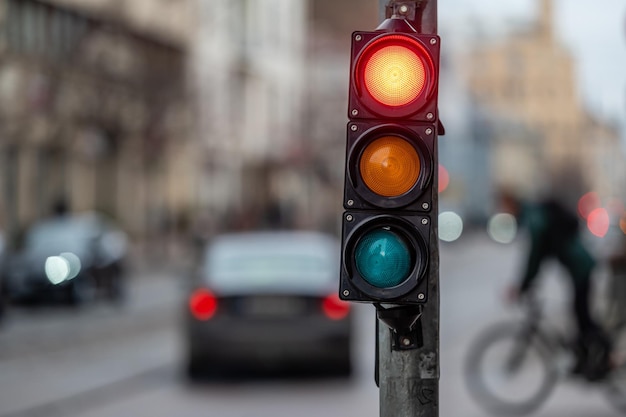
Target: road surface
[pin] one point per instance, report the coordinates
(126, 361)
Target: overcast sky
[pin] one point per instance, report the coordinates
(594, 31)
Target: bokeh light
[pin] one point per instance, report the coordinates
(74, 263)
(450, 226)
(598, 222)
(57, 269)
(444, 178)
(588, 203)
(502, 227)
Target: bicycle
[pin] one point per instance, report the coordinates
(530, 358)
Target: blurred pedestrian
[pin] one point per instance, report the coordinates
(616, 309)
(554, 234)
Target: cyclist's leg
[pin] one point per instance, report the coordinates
(580, 309)
(593, 344)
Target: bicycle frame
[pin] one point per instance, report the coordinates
(524, 339)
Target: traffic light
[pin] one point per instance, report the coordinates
(390, 189)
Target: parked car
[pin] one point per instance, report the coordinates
(268, 301)
(76, 257)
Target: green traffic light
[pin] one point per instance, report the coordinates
(383, 258)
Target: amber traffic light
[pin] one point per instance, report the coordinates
(390, 166)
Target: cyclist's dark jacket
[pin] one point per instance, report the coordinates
(552, 234)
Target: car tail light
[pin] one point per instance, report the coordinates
(334, 308)
(202, 304)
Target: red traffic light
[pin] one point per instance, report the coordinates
(394, 75)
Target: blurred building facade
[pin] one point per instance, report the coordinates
(272, 78)
(228, 113)
(527, 85)
(94, 108)
(248, 66)
(326, 97)
(232, 113)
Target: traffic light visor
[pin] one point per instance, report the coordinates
(383, 258)
(394, 70)
(390, 166)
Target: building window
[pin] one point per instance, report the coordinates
(13, 24)
(39, 29)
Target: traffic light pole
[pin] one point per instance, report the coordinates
(408, 337)
(408, 376)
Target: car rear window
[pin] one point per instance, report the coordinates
(59, 235)
(280, 265)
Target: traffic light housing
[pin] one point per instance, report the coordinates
(390, 188)
(393, 76)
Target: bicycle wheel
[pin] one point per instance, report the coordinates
(509, 371)
(616, 381)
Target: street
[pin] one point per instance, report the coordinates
(126, 360)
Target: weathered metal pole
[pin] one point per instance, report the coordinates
(409, 379)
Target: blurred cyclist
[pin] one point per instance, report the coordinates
(553, 234)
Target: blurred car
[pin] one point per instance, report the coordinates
(268, 301)
(76, 257)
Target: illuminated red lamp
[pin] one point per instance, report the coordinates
(202, 304)
(394, 74)
(334, 308)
